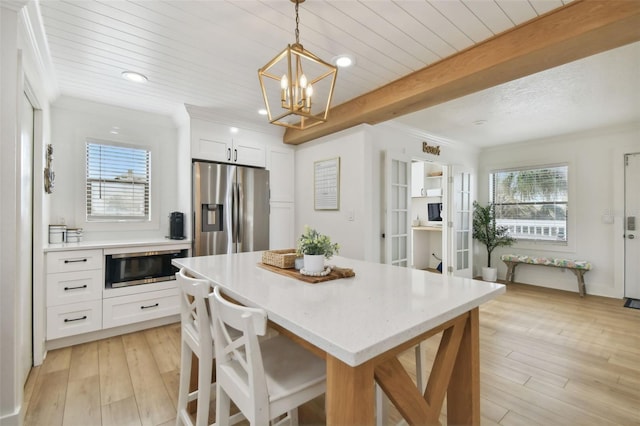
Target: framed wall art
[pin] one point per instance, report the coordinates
(326, 184)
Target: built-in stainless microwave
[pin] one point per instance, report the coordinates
(128, 269)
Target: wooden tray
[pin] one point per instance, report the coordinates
(334, 275)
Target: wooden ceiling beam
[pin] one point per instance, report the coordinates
(580, 29)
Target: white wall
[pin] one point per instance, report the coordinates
(361, 150)
(355, 190)
(75, 120)
(596, 184)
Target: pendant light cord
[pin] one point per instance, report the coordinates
(297, 22)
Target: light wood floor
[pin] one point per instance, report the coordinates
(547, 357)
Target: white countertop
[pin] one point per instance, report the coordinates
(354, 319)
(87, 245)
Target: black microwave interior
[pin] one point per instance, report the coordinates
(129, 269)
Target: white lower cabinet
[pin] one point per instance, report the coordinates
(74, 318)
(74, 292)
(123, 310)
(77, 301)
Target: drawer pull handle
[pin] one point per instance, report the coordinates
(75, 288)
(75, 319)
(150, 306)
(75, 261)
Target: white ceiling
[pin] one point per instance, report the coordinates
(207, 53)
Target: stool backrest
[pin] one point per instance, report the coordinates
(240, 370)
(194, 311)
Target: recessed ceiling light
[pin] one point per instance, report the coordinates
(134, 76)
(262, 111)
(234, 130)
(343, 61)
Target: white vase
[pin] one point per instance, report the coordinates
(490, 274)
(314, 262)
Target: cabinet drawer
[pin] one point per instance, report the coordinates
(140, 307)
(75, 318)
(73, 287)
(74, 260)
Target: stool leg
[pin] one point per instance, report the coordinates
(183, 392)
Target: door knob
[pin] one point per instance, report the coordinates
(631, 236)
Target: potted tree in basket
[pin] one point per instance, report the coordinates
(315, 247)
(491, 235)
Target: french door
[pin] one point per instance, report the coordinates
(461, 202)
(397, 205)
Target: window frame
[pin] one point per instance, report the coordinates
(536, 242)
(105, 219)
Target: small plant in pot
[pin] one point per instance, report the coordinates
(315, 247)
(491, 235)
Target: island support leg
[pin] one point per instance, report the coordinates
(350, 393)
(463, 393)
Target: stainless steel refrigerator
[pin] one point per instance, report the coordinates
(231, 209)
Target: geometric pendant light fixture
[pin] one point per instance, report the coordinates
(297, 86)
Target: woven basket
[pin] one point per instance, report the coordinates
(285, 258)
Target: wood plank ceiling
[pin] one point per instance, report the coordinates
(206, 53)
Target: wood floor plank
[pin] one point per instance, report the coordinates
(599, 403)
(165, 350)
(154, 404)
(28, 389)
(56, 360)
(82, 404)
(84, 361)
(48, 400)
(123, 412)
(115, 380)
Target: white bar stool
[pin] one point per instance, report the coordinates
(264, 379)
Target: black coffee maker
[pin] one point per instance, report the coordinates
(176, 226)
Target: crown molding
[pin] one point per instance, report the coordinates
(14, 5)
(37, 42)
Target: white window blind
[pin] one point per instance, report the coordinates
(117, 182)
(532, 202)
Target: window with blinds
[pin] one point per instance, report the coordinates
(117, 182)
(532, 202)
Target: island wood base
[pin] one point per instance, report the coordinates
(455, 373)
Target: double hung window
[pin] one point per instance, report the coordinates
(532, 202)
(117, 182)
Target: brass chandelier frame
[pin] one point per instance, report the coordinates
(298, 91)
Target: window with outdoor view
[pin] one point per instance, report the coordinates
(117, 182)
(532, 202)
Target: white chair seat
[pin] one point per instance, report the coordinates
(288, 368)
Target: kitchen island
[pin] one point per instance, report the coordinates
(360, 324)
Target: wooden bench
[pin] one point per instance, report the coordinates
(579, 267)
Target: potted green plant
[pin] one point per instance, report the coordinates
(491, 235)
(315, 247)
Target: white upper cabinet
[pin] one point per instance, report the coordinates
(215, 142)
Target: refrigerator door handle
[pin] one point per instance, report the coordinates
(234, 217)
(240, 222)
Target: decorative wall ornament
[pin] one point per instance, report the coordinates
(430, 149)
(49, 175)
